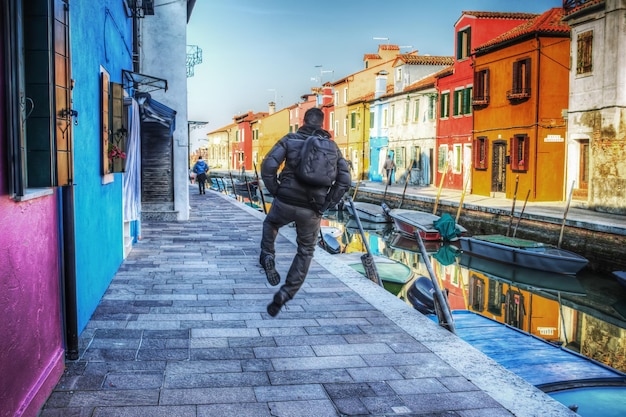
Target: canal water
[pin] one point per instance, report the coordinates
(585, 313)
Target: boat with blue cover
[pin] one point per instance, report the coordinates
(586, 386)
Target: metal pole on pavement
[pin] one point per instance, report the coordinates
(367, 260)
(447, 321)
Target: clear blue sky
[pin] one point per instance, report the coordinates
(251, 47)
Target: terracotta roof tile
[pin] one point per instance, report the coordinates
(499, 15)
(371, 56)
(423, 60)
(425, 82)
(389, 47)
(549, 23)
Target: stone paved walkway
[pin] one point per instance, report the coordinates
(182, 331)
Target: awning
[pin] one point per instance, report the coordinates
(142, 82)
(155, 112)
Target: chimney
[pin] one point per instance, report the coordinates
(381, 83)
(272, 107)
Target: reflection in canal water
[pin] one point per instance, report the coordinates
(585, 313)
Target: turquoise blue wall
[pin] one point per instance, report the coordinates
(101, 37)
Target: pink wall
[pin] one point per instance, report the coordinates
(31, 345)
(31, 341)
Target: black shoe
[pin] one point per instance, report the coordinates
(270, 270)
(280, 298)
(273, 309)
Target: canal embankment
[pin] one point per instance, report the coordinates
(600, 237)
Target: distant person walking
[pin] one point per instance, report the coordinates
(200, 169)
(389, 166)
(299, 202)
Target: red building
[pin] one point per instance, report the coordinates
(241, 157)
(454, 114)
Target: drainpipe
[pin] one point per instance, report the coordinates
(537, 116)
(68, 268)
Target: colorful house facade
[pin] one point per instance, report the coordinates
(520, 92)
(596, 119)
(454, 119)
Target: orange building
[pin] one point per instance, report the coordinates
(520, 92)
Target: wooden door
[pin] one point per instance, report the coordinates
(498, 168)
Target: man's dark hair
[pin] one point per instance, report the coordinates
(314, 117)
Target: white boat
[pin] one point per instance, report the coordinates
(368, 212)
(524, 252)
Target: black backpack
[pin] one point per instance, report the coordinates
(318, 161)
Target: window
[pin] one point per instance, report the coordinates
(432, 100)
(463, 40)
(407, 110)
(331, 123)
(457, 103)
(398, 74)
(466, 107)
(416, 110)
(385, 117)
(393, 115)
(345, 95)
(345, 126)
(442, 158)
(38, 129)
(372, 119)
(336, 125)
(416, 156)
(336, 98)
(458, 158)
(519, 152)
(400, 157)
(480, 153)
(444, 109)
(481, 92)
(584, 59)
(353, 120)
(521, 80)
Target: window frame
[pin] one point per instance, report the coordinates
(521, 82)
(444, 105)
(584, 53)
(463, 45)
(519, 152)
(481, 153)
(480, 94)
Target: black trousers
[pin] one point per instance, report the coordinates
(307, 229)
(201, 180)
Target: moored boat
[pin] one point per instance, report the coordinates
(368, 212)
(389, 270)
(524, 252)
(620, 276)
(409, 222)
(246, 189)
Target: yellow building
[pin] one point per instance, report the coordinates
(266, 132)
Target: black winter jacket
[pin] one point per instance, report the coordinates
(284, 185)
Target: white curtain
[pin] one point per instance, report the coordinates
(132, 176)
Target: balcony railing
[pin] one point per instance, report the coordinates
(480, 101)
(518, 94)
